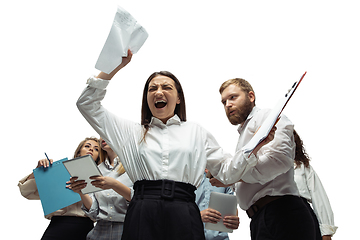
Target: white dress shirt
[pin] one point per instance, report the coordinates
(177, 150)
(107, 204)
(273, 174)
(311, 188)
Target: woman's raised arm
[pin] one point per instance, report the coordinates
(125, 61)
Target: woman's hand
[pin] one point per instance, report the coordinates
(124, 62)
(111, 183)
(103, 182)
(44, 163)
(41, 163)
(75, 185)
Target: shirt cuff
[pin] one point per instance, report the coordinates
(251, 159)
(97, 82)
(93, 211)
(327, 229)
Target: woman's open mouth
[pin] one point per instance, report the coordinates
(160, 104)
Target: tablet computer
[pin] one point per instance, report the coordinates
(83, 167)
(226, 205)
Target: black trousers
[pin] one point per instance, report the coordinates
(68, 227)
(316, 221)
(163, 210)
(283, 219)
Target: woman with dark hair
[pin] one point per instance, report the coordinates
(69, 222)
(164, 156)
(312, 191)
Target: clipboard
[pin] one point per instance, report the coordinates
(226, 205)
(83, 167)
(271, 119)
(51, 185)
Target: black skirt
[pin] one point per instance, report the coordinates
(163, 210)
(68, 227)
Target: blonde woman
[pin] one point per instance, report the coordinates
(107, 207)
(69, 222)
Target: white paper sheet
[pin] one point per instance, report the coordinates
(125, 33)
(271, 120)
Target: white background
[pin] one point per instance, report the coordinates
(49, 49)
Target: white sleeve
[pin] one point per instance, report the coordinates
(320, 203)
(222, 165)
(116, 131)
(276, 157)
(28, 188)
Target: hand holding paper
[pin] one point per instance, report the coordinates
(271, 120)
(268, 139)
(126, 33)
(125, 61)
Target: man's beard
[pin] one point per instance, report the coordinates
(241, 113)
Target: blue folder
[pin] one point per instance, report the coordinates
(51, 184)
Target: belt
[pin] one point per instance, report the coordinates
(259, 204)
(164, 189)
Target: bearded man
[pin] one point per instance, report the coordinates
(267, 191)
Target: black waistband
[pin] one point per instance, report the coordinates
(71, 219)
(164, 189)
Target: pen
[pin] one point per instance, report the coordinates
(47, 158)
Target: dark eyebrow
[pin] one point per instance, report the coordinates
(168, 85)
(91, 144)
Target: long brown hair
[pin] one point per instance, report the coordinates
(180, 108)
(301, 156)
(100, 157)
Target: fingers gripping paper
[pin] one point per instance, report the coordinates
(271, 120)
(125, 33)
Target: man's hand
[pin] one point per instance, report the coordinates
(216, 183)
(210, 215)
(231, 222)
(268, 139)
